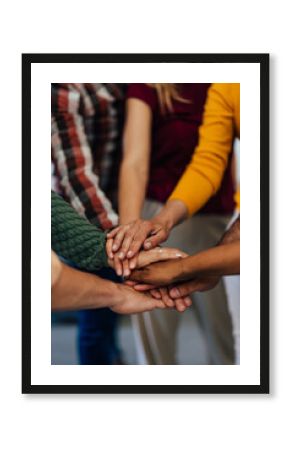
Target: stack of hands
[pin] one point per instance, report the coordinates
(137, 258)
(144, 263)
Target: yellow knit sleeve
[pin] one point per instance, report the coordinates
(237, 199)
(204, 174)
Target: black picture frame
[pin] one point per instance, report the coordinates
(27, 61)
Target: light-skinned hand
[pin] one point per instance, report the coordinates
(178, 302)
(124, 267)
(130, 238)
(132, 302)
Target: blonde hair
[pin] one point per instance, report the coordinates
(167, 92)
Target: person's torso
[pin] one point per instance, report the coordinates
(100, 107)
(174, 139)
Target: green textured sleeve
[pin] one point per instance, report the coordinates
(76, 239)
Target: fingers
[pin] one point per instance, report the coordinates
(118, 239)
(165, 298)
(121, 267)
(155, 293)
(146, 258)
(153, 302)
(133, 262)
(147, 303)
(179, 305)
(184, 289)
(196, 285)
(118, 266)
(130, 283)
(157, 304)
(142, 287)
(155, 240)
(187, 300)
(166, 253)
(113, 232)
(157, 254)
(109, 245)
(126, 270)
(127, 239)
(139, 238)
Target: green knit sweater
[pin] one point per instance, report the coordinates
(76, 239)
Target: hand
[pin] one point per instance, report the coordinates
(131, 302)
(158, 254)
(196, 285)
(159, 274)
(129, 239)
(143, 258)
(179, 303)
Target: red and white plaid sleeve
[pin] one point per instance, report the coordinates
(73, 160)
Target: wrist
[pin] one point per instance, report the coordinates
(187, 268)
(165, 219)
(171, 214)
(116, 295)
(108, 291)
(176, 271)
(128, 219)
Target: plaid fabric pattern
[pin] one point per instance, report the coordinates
(86, 126)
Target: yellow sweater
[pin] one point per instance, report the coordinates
(221, 123)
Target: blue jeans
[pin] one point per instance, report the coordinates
(97, 340)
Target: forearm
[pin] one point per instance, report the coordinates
(193, 199)
(132, 189)
(172, 213)
(73, 159)
(224, 259)
(232, 234)
(76, 290)
(219, 261)
(203, 176)
(135, 164)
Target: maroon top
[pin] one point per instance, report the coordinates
(174, 138)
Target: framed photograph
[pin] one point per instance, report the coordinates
(171, 155)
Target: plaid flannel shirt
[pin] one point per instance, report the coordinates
(86, 128)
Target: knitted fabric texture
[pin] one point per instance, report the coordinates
(74, 238)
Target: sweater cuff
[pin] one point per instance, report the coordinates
(101, 249)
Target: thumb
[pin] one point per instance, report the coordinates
(155, 240)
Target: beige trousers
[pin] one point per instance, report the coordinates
(232, 286)
(156, 331)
